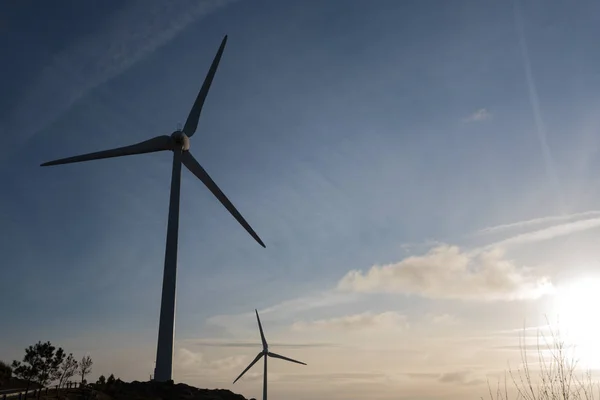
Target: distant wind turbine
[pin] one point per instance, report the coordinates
(178, 142)
(264, 353)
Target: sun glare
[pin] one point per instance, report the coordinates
(578, 323)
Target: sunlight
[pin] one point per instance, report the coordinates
(574, 304)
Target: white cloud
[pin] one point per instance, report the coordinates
(550, 232)
(228, 363)
(318, 300)
(443, 272)
(443, 319)
(479, 115)
(349, 377)
(388, 320)
(538, 221)
(322, 299)
(252, 344)
(466, 377)
(253, 376)
(461, 378)
(187, 359)
(446, 272)
(189, 364)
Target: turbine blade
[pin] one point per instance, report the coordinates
(250, 366)
(192, 121)
(262, 335)
(158, 143)
(284, 358)
(195, 168)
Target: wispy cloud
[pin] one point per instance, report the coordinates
(187, 359)
(442, 319)
(252, 376)
(323, 299)
(337, 376)
(460, 377)
(537, 221)
(388, 321)
(446, 272)
(316, 300)
(248, 344)
(480, 115)
(443, 272)
(466, 377)
(549, 233)
(422, 375)
(527, 347)
(228, 363)
(191, 363)
(540, 130)
(137, 30)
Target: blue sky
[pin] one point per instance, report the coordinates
(350, 136)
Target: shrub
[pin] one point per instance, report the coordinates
(40, 364)
(5, 371)
(85, 367)
(555, 379)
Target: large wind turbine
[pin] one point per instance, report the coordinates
(178, 142)
(264, 353)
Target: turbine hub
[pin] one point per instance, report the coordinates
(180, 140)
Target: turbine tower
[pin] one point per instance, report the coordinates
(178, 142)
(264, 353)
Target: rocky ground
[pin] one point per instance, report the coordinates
(160, 391)
(119, 390)
(13, 383)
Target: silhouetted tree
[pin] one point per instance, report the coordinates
(40, 364)
(25, 372)
(111, 380)
(101, 380)
(85, 367)
(66, 370)
(5, 372)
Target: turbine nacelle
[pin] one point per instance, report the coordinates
(180, 141)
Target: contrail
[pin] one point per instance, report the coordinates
(537, 221)
(535, 105)
(136, 31)
(549, 233)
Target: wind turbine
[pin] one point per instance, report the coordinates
(178, 142)
(264, 353)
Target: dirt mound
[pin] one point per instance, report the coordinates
(15, 383)
(135, 390)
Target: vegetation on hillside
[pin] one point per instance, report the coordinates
(552, 376)
(5, 372)
(85, 367)
(42, 365)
